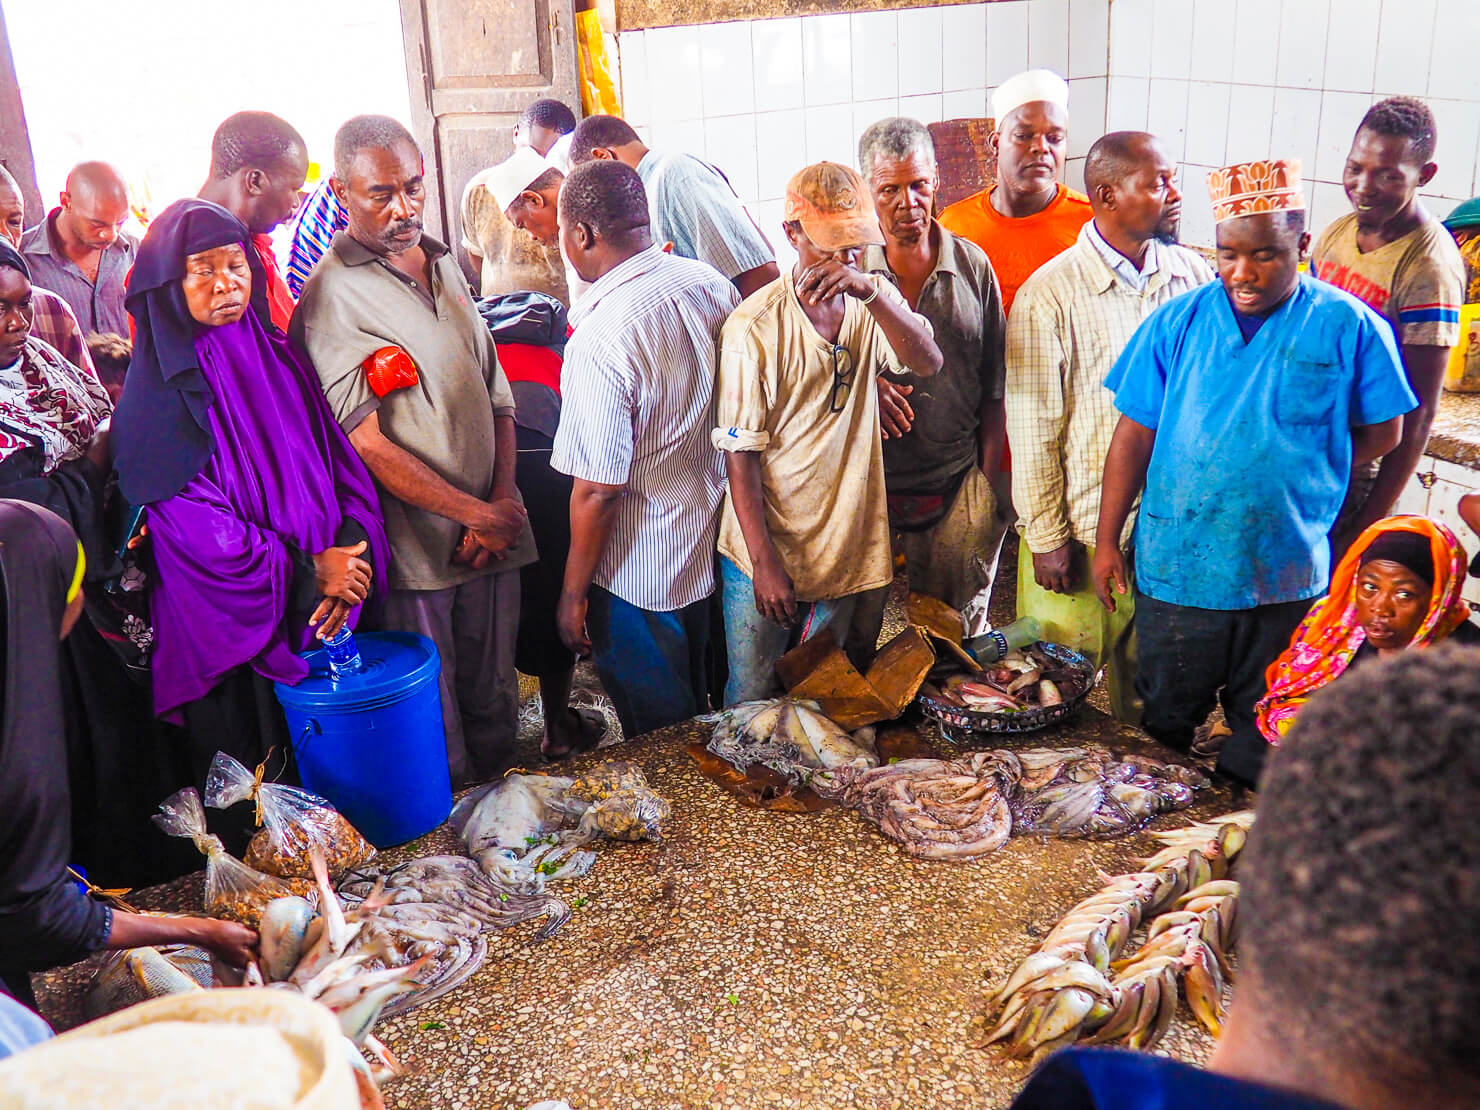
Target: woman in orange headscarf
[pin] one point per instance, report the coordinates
(1398, 587)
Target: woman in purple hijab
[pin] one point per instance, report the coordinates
(263, 523)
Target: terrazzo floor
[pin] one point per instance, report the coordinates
(754, 959)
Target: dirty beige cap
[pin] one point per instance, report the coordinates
(834, 207)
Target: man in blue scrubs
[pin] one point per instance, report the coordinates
(1244, 405)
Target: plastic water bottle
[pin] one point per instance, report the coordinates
(344, 654)
(992, 646)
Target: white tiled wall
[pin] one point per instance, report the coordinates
(1218, 80)
(1293, 77)
(762, 99)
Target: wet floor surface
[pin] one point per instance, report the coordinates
(755, 959)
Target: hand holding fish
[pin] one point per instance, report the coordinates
(234, 943)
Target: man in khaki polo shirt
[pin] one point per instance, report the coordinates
(441, 447)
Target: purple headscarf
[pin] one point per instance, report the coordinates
(282, 478)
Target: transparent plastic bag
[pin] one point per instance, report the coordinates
(630, 814)
(607, 779)
(233, 890)
(294, 822)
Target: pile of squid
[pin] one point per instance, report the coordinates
(525, 830)
(1076, 986)
(792, 737)
(967, 807)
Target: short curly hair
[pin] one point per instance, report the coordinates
(552, 114)
(597, 133)
(1405, 117)
(607, 196)
(1361, 879)
(255, 141)
(367, 133)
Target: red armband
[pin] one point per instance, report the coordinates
(388, 369)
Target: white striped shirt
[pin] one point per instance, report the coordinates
(638, 389)
(694, 206)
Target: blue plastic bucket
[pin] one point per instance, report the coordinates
(373, 743)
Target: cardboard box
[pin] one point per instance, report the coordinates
(818, 670)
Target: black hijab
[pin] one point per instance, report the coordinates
(1407, 549)
(44, 919)
(159, 434)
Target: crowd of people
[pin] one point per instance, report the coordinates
(644, 442)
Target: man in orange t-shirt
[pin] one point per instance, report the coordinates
(1028, 216)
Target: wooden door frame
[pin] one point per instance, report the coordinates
(15, 136)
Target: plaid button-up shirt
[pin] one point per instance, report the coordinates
(55, 324)
(1068, 325)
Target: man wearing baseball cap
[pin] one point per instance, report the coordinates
(1244, 405)
(500, 204)
(804, 532)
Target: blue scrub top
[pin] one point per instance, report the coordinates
(1253, 449)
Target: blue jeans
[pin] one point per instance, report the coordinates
(651, 664)
(754, 644)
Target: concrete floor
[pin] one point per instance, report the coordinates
(755, 959)
(761, 959)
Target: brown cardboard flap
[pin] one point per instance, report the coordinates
(935, 617)
(900, 668)
(942, 622)
(818, 669)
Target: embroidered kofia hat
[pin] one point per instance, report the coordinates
(1271, 185)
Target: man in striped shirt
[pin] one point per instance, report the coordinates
(314, 227)
(693, 204)
(638, 385)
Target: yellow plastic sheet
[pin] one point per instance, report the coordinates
(1463, 372)
(598, 86)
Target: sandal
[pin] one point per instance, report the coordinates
(591, 730)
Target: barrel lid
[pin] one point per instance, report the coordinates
(393, 662)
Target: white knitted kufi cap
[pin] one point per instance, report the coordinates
(1025, 88)
(513, 175)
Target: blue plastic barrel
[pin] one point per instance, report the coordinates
(373, 743)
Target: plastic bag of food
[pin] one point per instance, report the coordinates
(631, 814)
(606, 780)
(233, 890)
(294, 822)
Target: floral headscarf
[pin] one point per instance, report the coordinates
(1328, 639)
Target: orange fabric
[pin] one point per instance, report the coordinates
(1017, 247)
(1326, 642)
(280, 302)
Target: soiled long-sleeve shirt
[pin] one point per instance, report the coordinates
(1069, 323)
